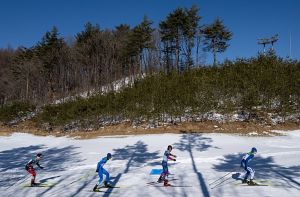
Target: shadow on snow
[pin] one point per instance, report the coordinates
(189, 143)
(136, 156)
(55, 160)
(265, 168)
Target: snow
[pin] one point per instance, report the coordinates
(201, 159)
(114, 86)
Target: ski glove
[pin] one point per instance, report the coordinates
(174, 159)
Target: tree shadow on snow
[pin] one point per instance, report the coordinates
(54, 160)
(265, 168)
(12, 165)
(189, 143)
(136, 155)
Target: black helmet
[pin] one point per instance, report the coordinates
(39, 154)
(108, 155)
(170, 147)
(254, 150)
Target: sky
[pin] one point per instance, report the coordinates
(24, 22)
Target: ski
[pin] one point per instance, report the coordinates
(98, 190)
(170, 186)
(155, 182)
(39, 185)
(255, 184)
(109, 186)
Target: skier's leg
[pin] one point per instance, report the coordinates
(251, 176)
(251, 173)
(106, 176)
(165, 170)
(33, 174)
(100, 174)
(248, 172)
(162, 174)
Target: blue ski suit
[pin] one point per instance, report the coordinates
(244, 164)
(102, 171)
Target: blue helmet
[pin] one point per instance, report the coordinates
(108, 155)
(253, 150)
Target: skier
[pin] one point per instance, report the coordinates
(167, 156)
(249, 171)
(102, 171)
(31, 170)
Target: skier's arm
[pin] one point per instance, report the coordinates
(38, 164)
(249, 159)
(173, 155)
(98, 166)
(170, 158)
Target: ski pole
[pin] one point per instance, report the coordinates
(86, 175)
(220, 183)
(222, 177)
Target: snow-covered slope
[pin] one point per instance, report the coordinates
(202, 158)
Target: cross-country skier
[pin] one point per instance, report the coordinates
(102, 171)
(249, 171)
(167, 156)
(31, 170)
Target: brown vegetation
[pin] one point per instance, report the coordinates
(240, 128)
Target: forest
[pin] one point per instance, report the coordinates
(143, 72)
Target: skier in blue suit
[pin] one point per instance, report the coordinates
(102, 171)
(244, 164)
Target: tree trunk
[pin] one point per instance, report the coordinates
(215, 51)
(177, 54)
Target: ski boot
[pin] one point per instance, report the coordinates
(166, 183)
(33, 183)
(95, 188)
(251, 182)
(107, 184)
(244, 181)
(160, 180)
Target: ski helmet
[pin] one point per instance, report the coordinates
(108, 155)
(254, 150)
(39, 155)
(170, 147)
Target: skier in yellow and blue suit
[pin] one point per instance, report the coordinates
(249, 171)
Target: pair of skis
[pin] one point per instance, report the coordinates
(40, 185)
(158, 184)
(224, 180)
(106, 187)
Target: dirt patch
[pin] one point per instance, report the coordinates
(240, 128)
(5, 131)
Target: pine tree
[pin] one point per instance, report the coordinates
(191, 27)
(172, 34)
(216, 37)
